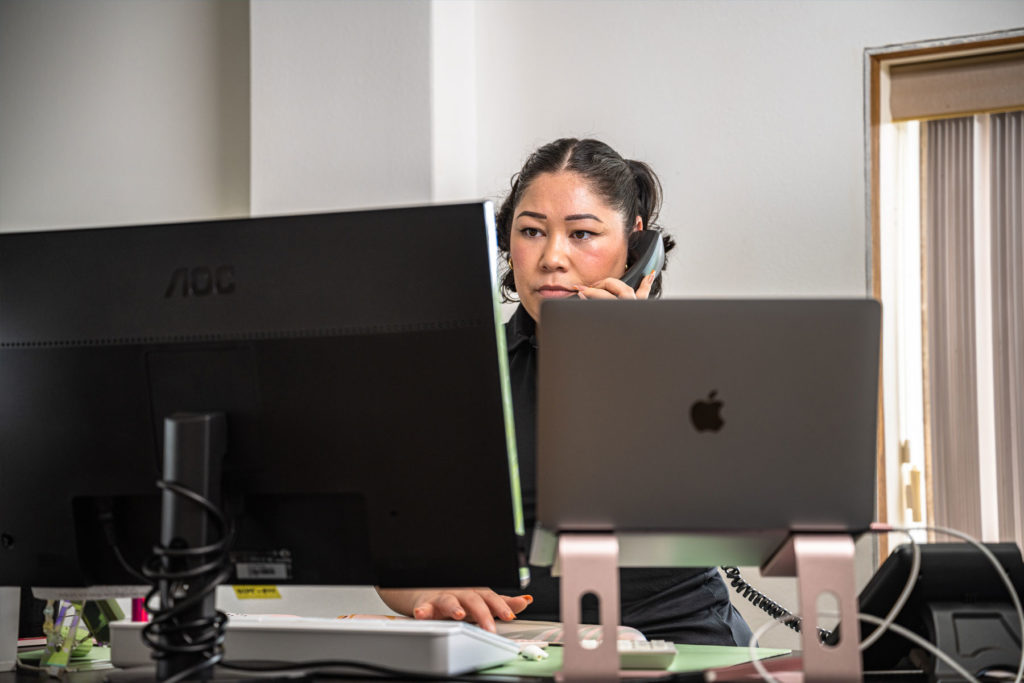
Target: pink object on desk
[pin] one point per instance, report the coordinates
(139, 610)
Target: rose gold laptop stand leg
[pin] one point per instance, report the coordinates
(590, 564)
(823, 564)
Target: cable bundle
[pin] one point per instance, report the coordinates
(186, 632)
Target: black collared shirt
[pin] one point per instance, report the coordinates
(682, 605)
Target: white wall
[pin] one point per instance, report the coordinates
(453, 78)
(751, 112)
(341, 110)
(122, 112)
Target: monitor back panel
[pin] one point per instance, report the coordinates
(329, 340)
(708, 415)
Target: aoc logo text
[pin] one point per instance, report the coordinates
(201, 281)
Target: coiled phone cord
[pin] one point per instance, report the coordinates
(767, 605)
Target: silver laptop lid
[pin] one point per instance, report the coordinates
(708, 415)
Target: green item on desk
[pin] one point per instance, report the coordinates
(97, 657)
(82, 643)
(688, 658)
(98, 614)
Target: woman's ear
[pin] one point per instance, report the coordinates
(638, 224)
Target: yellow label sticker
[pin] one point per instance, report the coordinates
(256, 592)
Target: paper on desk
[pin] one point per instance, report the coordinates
(689, 658)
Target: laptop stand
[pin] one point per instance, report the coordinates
(822, 563)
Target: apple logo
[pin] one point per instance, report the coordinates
(706, 415)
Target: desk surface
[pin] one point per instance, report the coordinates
(689, 659)
(690, 664)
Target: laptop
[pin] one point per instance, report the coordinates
(728, 423)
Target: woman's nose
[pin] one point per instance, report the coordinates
(555, 255)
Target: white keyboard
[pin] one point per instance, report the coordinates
(435, 647)
(646, 654)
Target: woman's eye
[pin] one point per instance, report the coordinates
(582, 234)
(530, 232)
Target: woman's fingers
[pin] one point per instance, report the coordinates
(498, 606)
(518, 603)
(438, 605)
(424, 611)
(644, 290)
(612, 288)
(609, 288)
(478, 609)
(479, 605)
(450, 606)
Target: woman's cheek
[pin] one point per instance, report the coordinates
(597, 266)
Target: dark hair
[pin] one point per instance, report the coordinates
(628, 186)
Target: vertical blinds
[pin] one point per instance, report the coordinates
(1007, 221)
(948, 215)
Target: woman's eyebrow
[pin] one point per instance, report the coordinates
(570, 217)
(582, 216)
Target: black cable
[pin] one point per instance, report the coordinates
(165, 634)
(205, 567)
(106, 520)
(767, 605)
(320, 668)
(207, 635)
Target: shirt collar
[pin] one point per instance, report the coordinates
(520, 329)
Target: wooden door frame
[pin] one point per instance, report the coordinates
(876, 64)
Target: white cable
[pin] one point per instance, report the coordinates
(1002, 575)
(888, 623)
(895, 628)
(51, 672)
(908, 588)
(752, 649)
(918, 640)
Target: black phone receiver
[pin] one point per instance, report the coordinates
(647, 253)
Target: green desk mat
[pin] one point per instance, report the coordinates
(688, 658)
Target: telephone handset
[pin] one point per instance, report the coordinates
(646, 253)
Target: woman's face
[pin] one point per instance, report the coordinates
(563, 235)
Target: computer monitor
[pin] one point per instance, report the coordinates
(358, 358)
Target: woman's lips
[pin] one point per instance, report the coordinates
(556, 292)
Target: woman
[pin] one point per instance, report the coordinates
(564, 230)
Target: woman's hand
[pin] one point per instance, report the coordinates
(479, 605)
(611, 288)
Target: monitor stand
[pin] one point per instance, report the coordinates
(188, 626)
(823, 564)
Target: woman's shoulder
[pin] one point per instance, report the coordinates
(520, 329)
